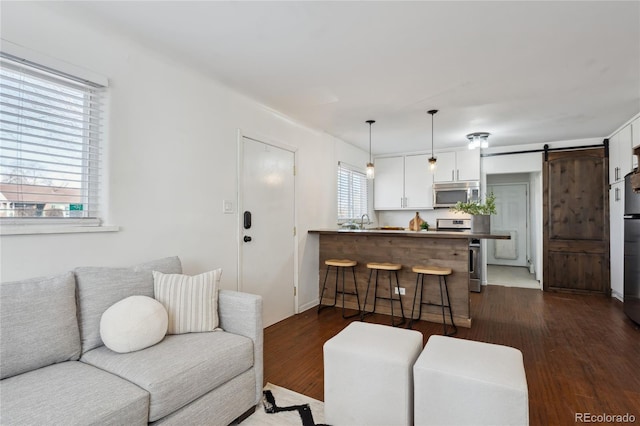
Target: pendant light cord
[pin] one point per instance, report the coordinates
(432, 112)
(370, 155)
(432, 135)
(370, 141)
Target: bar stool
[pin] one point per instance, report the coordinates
(390, 267)
(340, 264)
(442, 274)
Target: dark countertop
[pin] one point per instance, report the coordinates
(417, 234)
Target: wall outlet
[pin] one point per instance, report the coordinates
(402, 291)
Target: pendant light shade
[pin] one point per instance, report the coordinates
(432, 159)
(370, 170)
(478, 140)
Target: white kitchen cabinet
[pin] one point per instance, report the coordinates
(457, 166)
(403, 182)
(418, 182)
(620, 154)
(616, 237)
(388, 185)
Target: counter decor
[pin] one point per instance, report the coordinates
(480, 213)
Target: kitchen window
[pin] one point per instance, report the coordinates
(352, 193)
(50, 145)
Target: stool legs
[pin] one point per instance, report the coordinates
(441, 280)
(343, 291)
(448, 306)
(419, 283)
(390, 298)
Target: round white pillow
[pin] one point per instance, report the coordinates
(134, 323)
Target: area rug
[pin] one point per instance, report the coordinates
(290, 409)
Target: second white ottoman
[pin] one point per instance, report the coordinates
(368, 375)
(462, 382)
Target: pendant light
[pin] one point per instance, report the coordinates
(432, 160)
(478, 140)
(370, 169)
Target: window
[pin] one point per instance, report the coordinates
(352, 193)
(50, 141)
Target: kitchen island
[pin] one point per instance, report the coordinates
(409, 248)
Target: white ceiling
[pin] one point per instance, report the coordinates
(525, 71)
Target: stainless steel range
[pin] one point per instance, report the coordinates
(475, 254)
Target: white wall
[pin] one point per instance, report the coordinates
(172, 152)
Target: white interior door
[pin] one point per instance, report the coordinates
(513, 217)
(267, 242)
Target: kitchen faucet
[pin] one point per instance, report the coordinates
(362, 220)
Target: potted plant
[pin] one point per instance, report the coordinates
(480, 213)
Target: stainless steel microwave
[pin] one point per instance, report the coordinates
(448, 194)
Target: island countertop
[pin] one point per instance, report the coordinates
(408, 248)
(417, 234)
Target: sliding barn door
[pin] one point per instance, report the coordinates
(576, 221)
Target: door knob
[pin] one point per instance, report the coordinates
(247, 238)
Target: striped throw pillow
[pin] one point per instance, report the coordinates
(190, 301)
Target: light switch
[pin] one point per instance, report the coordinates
(227, 207)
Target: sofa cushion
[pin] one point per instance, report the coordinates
(38, 325)
(101, 287)
(71, 393)
(180, 369)
(191, 301)
(133, 323)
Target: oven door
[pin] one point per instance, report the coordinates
(475, 261)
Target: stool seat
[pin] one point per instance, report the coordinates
(385, 266)
(344, 263)
(431, 270)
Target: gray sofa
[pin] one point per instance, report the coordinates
(55, 370)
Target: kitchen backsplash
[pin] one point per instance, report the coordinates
(402, 217)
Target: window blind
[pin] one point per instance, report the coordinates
(50, 143)
(352, 193)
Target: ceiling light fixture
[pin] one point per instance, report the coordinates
(478, 140)
(432, 160)
(370, 169)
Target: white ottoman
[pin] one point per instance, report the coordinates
(461, 382)
(368, 371)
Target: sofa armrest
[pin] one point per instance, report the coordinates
(241, 313)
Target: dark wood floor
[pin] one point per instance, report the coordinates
(581, 353)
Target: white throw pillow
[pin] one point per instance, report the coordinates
(191, 301)
(134, 323)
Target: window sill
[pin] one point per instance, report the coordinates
(54, 229)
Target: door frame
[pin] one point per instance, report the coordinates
(241, 134)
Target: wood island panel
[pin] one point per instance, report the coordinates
(409, 251)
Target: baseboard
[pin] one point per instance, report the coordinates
(308, 305)
(617, 295)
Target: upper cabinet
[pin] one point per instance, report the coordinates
(620, 152)
(403, 182)
(388, 185)
(418, 182)
(457, 166)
